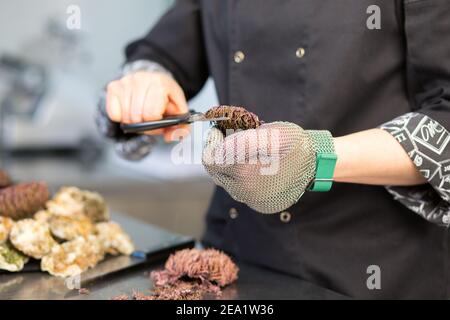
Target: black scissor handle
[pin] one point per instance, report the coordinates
(168, 121)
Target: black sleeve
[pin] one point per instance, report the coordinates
(176, 43)
(427, 27)
(424, 133)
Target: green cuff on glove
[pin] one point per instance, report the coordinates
(326, 159)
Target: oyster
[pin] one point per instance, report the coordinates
(113, 238)
(43, 216)
(32, 238)
(11, 259)
(73, 257)
(5, 227)
(70, 227)
(71, 200)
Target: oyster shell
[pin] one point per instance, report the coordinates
(70, 227)
(32, 238)
(5, 228)
(11, 259)
(113, 238)
(71, 200)
(73, 257)
(43, 216)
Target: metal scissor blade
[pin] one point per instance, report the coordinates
(168, 121)
(219, 119)
(201, 117)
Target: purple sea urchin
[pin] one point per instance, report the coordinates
(239, 118)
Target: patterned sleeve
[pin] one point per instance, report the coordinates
(132, 147)
(427, 143)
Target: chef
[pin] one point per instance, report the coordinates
(359, 89)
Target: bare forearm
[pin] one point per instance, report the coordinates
(374, 157)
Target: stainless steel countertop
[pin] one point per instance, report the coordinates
(106, 282)
(253, 283)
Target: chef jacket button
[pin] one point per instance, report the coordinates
(239, 56)
(233, 213)
(446, 219)
(285, 216)
(300, 53)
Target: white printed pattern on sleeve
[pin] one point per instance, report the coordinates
(428, 145)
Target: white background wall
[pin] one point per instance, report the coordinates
(106, 27)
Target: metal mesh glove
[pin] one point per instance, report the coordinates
(268, 168)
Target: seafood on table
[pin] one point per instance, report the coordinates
(190, 274)
(32, 238)
(113, 239)
(5, 228)
(71, 200)
(69, 232)
(73, 257)
(71, 227)
(22, 200)
(11, 259)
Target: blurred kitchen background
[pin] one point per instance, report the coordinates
(50, 78)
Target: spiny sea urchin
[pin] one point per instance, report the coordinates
(211, 265)
(5, 180)
(22, 200)
(239, 118)
(191, 274)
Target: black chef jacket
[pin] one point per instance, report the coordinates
(320, 64)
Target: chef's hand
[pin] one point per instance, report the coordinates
(147, 96)
(267, 168)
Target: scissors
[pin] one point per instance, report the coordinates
(186, 118)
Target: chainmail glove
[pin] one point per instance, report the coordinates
(268, 168)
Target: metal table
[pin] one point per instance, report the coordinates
(106, 282)
(253, 283)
